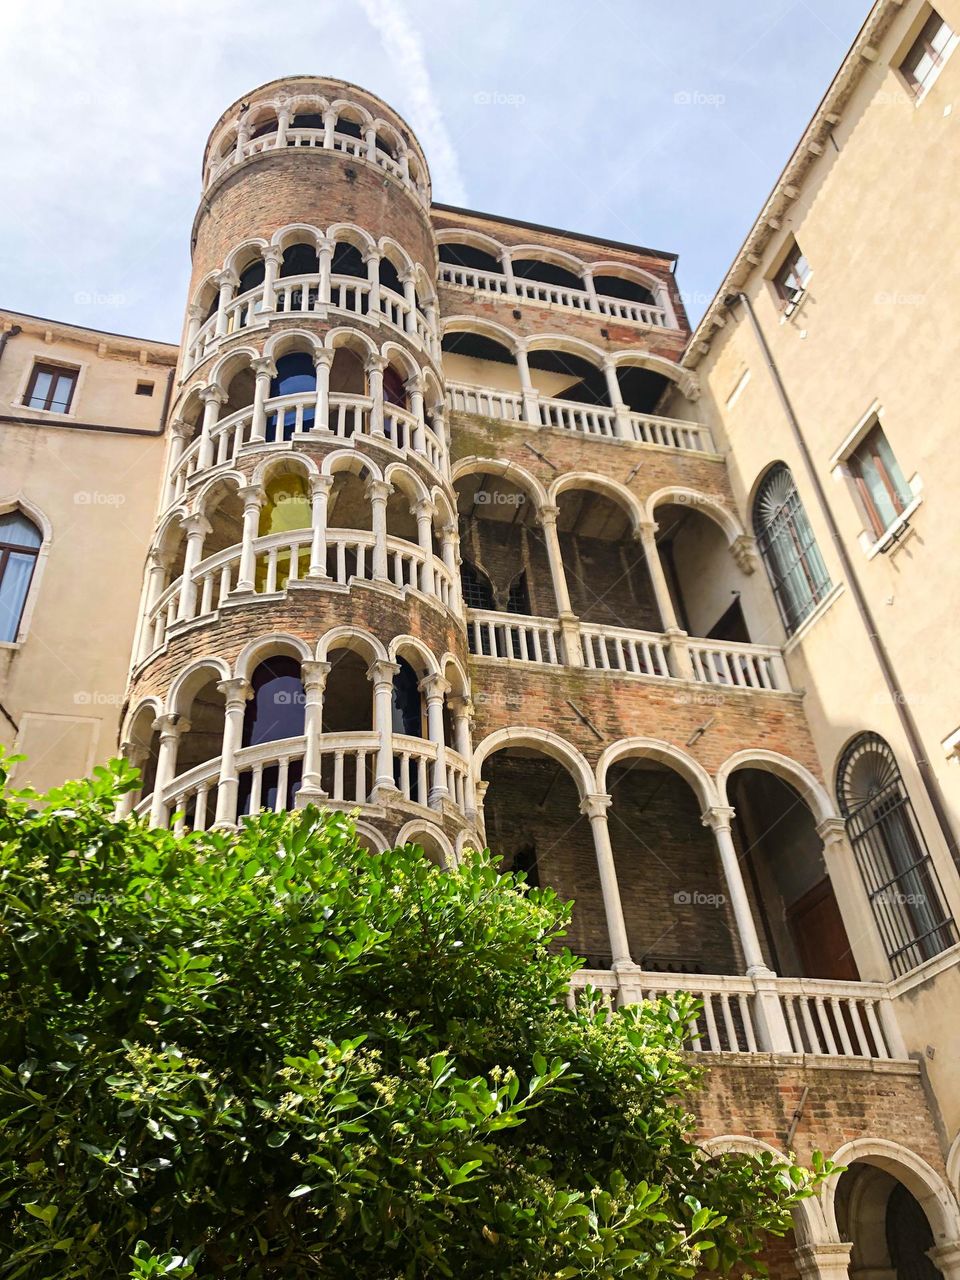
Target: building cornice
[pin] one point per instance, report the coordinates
(863, 53)
(165, 353)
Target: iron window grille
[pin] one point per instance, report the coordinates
(892, 856)
(788, 548)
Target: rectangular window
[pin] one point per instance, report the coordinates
(791, 279)
(51, 388)
(927, 54)
(144, 388)
(879, 480)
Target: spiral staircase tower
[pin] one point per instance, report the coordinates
(302, 634)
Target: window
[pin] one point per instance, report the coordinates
(20, 541)
(476, 588)
(927, 54)
(879, 480)
(144, 388)
(789, 550)
(892, 856)
(791, 279)
(51, 388)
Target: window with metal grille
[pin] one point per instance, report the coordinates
(477, 592)
(790, 281)
(892, 857)
(518, 598)
(789, 550)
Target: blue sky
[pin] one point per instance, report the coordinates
(656, 123)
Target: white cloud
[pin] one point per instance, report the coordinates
(398, 36)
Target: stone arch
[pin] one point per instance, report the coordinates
(370, 835)
(206, 290)
(406, 479)
(571, 346)
(343, 105)
(356, 639)
(297, 233)
(409, 832)
(226, 368)
(922, 1181)
(397, 144)
(151, 705)
(476, 239)
(191, 679)
(544, 742)
(263, 648)
(543, 253)
(808, 1221)
(415, 645)
(669, 756)
(307, 103)
(244, 253)
(280, 344)
(394, 251)
(287, 464)
(345, 336)
(409, 366)
(453, 671)
(603, 485)
(19, 502)
(445, 513)
(707, 504)
(350, 460)
(627, 271)
(683, 378)
(812, 792)
(522, 478)
(483, 328)
(350, 233)
(212, 487)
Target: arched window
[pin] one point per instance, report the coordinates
(296, 373)
(477, 591)
(795, 567)
(275, 711)
(891, 854)
(20, 541)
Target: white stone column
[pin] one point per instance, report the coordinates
(325, 249)
(371, 259)
(595, 808)
(314, 677)
(852, 901)
(373, 367)
(438, 423)
(531, 406)
(253, 498)
(226, 281)
(370, 138)
(425, 510)
(378, 491)
(827, 1261)
(404, 160)
(590, 288)
(329, 126)
(243, 137)
(272, 261)
(410, 297)
(506, 262)
(265, 370)
(322, 363)
(450, 554)
(569, 623)
(235, 696)
(621, 412)
(434, 688)
(194, 321)
(719, 820)
(647, 537)
(320, 487)
(381, 676)
(946, 1258)
(171, 728)
(414, 389)
(461, 707)
(180, 433)
(196, 529)
(283, 124)
(135, 754)
(158, 563)
(213, 398)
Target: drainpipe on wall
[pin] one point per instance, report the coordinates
(927, 776)
(8, 333)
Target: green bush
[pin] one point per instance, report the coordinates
(271, 1053)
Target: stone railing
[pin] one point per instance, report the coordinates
(279, 560)
(269, 776)
(599, 647)
(320, 139)
(293, 296)
(766, 1014)
(598, 421)
(554, 295)
(294, 417)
